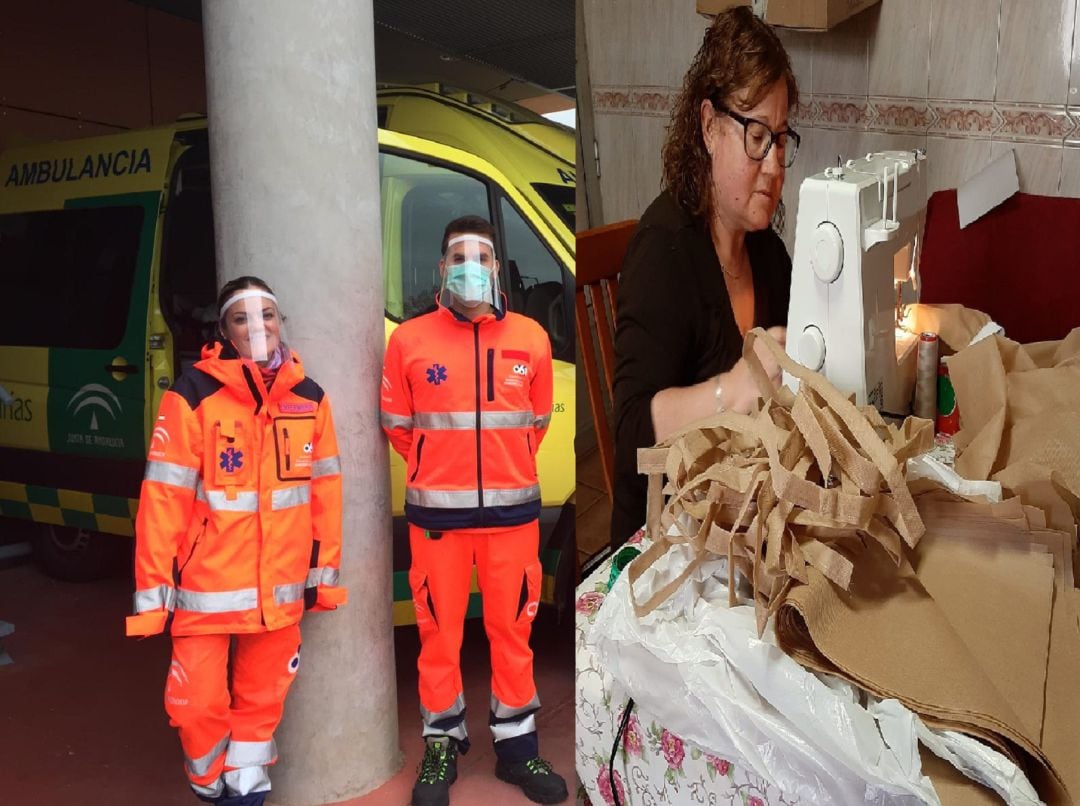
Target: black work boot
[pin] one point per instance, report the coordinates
(438, 769)
(535, 777)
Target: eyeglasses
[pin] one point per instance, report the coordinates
(758, 138)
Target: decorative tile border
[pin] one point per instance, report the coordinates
(1034, 124)
(1022, 123)
(971, 120)
(647, 101)
(804, 112)
(1072, 139)
(840, 112)
(900, 115)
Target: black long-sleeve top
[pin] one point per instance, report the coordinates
(675, 327)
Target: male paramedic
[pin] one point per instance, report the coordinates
(466, 400)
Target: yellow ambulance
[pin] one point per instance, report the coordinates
(107, 262)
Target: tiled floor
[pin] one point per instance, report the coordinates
(593, 507)
(82, 724)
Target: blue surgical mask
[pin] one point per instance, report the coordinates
(470, 283)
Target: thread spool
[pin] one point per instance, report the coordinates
(926, 376)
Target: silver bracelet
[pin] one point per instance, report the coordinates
(719, 396)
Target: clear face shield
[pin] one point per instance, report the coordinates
(470, 275)
(250, 319)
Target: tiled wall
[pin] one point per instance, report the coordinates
(965, 79)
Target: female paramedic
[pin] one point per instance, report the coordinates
(238, 532)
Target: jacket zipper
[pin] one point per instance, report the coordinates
(254, 387)
(419, 451)
(528, 440)
(479, 460)
(490, 374)
(285, 433)
(261, 432)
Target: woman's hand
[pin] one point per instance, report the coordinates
(738, 390)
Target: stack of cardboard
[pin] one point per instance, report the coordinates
(973, 620)
(979, 634)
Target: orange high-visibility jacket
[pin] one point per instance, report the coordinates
(467, 404)
(239, 523)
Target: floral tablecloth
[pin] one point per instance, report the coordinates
(652, 765)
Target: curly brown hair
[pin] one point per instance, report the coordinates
(740, 58)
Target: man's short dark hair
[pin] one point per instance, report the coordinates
(467, 225)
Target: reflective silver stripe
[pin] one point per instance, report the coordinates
(457, 730)
(508, 730)
(198, 767)
(285, 594)
(217, 601)
(501, 711)
(200, 491)
(329, 466)
(322, 576)
(246, 780)
(251, 754)
(218, 500)
(290, 497)
(462, 499)
(163, 596)
(504, 498)
(450, 499)
(445, 420)
(172, 473)
(215, 790)
(506, 419)
(466, 420)
(457, 707)
(543, 421)
(392, 421)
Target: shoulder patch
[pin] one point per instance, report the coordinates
(307, 388)
(195, 386)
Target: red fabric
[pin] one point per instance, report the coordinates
(1016, 263)
(268, 375)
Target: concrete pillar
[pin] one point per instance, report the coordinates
(291, 94)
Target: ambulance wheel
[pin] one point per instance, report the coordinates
(74, 554)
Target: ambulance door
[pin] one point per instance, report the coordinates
(79, 278)
(542, 287)
(187, 286)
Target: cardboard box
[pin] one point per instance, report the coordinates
(807, 15)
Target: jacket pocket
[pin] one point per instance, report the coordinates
(419, 452)
(232, 457)
(426, 620)
(490, 374)
(293, 447)
(529, 600)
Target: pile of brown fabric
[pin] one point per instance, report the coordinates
(964, 611)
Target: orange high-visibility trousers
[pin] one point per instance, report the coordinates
(509, 576)
(228, 735)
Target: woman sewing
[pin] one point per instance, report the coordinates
(704, 265)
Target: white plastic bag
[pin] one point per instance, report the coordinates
(700, 669)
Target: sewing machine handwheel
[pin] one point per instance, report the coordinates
(827, 256)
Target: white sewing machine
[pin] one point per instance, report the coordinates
(857, 239)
